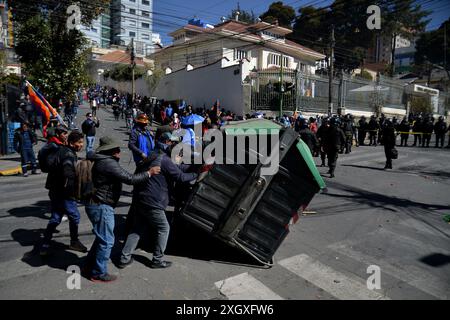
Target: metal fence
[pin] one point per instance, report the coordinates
(309, 93)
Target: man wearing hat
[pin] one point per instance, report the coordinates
(107, 178)
(152, 198)
(141, 141)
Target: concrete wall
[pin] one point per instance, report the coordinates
(202, 86)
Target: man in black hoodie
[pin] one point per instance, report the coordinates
(153, 198)
(333, 140)
(62, 192)
(107, 178)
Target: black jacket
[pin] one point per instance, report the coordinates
(108, 176)
(333, 139)
(18, 139)
(61, 179)
(88, 127)
(155, 192)
(389, 136)
(309, 138)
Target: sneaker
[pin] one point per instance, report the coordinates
(64, 219)
(160, 264)
(44, 250)
(104, 278)
(77, 246)
(25, 174)
(122, 265)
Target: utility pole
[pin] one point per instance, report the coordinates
(133, 64)
(330, 81)
(281, 87)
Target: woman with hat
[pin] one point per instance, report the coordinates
(107, 179)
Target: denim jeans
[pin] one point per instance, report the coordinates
(59, 208)
(27, 155)
(157, 220)
(102, 218)
(90, 143)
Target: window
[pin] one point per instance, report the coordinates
(132, 1)
(132, 34)
(239, 54)
(145, 2)
(275, 59)
(132, 23)
(132, 11)
(145, 13)
(145, 36)
(145, 25)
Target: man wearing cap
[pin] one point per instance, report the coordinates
(152, 198)
(62, 189)
(107, 178)
(88, 128)
(141, 141)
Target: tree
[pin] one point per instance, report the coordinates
(403, 18)
(278, 11)
(54, 57)
(432, 49)
(244, 16)
(312, 28)
(123, 72)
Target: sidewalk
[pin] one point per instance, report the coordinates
(10, 164)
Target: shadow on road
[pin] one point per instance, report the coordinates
(436, 260)
(59, 257)
(38, 210)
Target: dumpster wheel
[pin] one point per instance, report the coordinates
(267, 264)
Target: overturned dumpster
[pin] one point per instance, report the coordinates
(247, 204)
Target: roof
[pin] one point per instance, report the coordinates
(249, 33)
(188, 27)
(119, 56)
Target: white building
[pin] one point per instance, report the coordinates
(215, 62)
(132, 19)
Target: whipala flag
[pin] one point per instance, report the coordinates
(43, 106)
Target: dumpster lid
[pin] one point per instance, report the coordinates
(255, 124)
(307, 156)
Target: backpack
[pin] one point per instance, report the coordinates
(83, 180)
(48, 157)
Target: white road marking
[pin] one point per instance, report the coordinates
(245, 287)
(337, 284)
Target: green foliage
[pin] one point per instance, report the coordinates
(430, 48)
(53, 57)
(153, 80)
(285, 14)
(420, 104)
(312, 27)
(365, 75)
(244, 16)
(12, 79)
(123, 72)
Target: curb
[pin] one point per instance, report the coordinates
(11, 172)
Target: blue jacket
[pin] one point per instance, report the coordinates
(141, 141)
(155, 191)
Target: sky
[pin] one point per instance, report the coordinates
(174, 13)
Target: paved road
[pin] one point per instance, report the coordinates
(391, 219)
